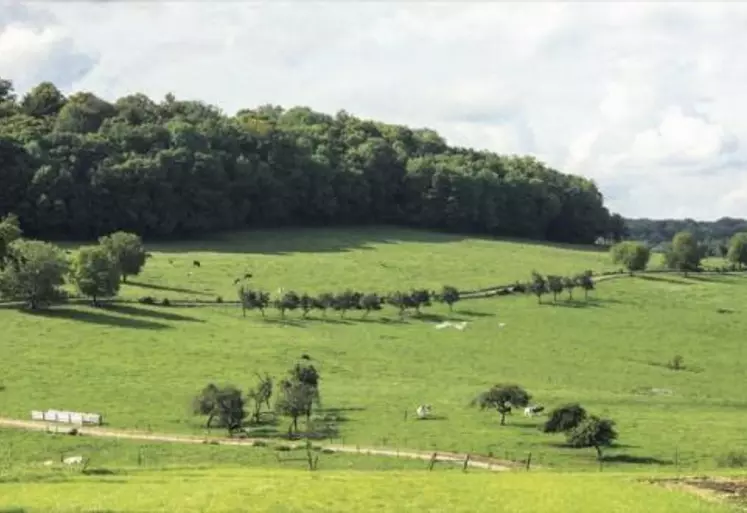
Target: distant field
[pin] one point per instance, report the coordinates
(139, 366)
(230, 490)
(326, 259)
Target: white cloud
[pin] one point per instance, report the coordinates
(645, 98)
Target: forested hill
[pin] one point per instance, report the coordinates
(659, 231)
(80, 166)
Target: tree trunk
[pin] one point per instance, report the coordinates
(503, 419)
(599, 452)
(209, 421)
(124, 278)
(451, 307)
(365, 314)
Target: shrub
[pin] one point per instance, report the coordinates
(166, 302)
(147, 300)
(732, 459)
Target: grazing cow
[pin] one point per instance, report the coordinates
(531, 411)
(423, 411)
(196, 263)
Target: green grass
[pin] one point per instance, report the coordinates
(24, 452)
(231, 490)
(140, 366)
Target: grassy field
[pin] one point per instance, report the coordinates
(230, 490)
(139, 366)
(24, 452)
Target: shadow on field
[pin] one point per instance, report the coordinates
(663, 279)
(164, 288)
(96, 318)
(635, 460)
(711, 279)
(142, 312)
(324, 425)
(472, 313)
(13, 510)
(328, 240)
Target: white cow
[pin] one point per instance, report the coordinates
(531, 411)
(423, 411)
(73, 460)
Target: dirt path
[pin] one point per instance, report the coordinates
(474, 462)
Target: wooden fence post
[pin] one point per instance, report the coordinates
(433, 461)
(466, 463)
(529, 461)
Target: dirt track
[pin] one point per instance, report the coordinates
(475, 461)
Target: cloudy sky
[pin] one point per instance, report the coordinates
(648, 99)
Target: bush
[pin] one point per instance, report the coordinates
(219, 299)
(677, 363)
(147, 300)
(166, 302)
(733, 459)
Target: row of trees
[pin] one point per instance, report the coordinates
(296, 396)
(684, 253)
(345, 301)
(80, 167)
(580, 428)
(34, 271)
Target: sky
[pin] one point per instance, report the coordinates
(647, 99)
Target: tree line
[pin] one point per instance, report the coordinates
(658, 233)
(684, 253)
(80, 167)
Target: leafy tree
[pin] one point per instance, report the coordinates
(324, 302)
(586, 282)
(10, 230)
(555, 284)
(260, 395)
(502, 398)
(449, 295)
(370, 302)
(420, 298)
(96, 273)
(43, 100)
(538, 286)
(128, 251)
(737, 252)
(253, 299)
(685, 253)
(306, 303)
(592, 432)
(224, 403)
(298, 393)
(399, 300)
(569, 284)
(633, 255)
(564, 418)
(36, 272)
(347, 300)
(288, 301)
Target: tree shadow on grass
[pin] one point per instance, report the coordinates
(472, 313)
(576, 304)
(99, 318)
(164, 288)
(142, 312)
(635, 460)
(711, 279)
(663, 279)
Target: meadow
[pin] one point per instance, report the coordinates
(140, 365)
(229, 490)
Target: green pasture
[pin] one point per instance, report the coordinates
(140, 366)
(230, 490)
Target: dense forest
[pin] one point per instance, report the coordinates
(80, 166)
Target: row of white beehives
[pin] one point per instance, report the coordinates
(69, 417)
